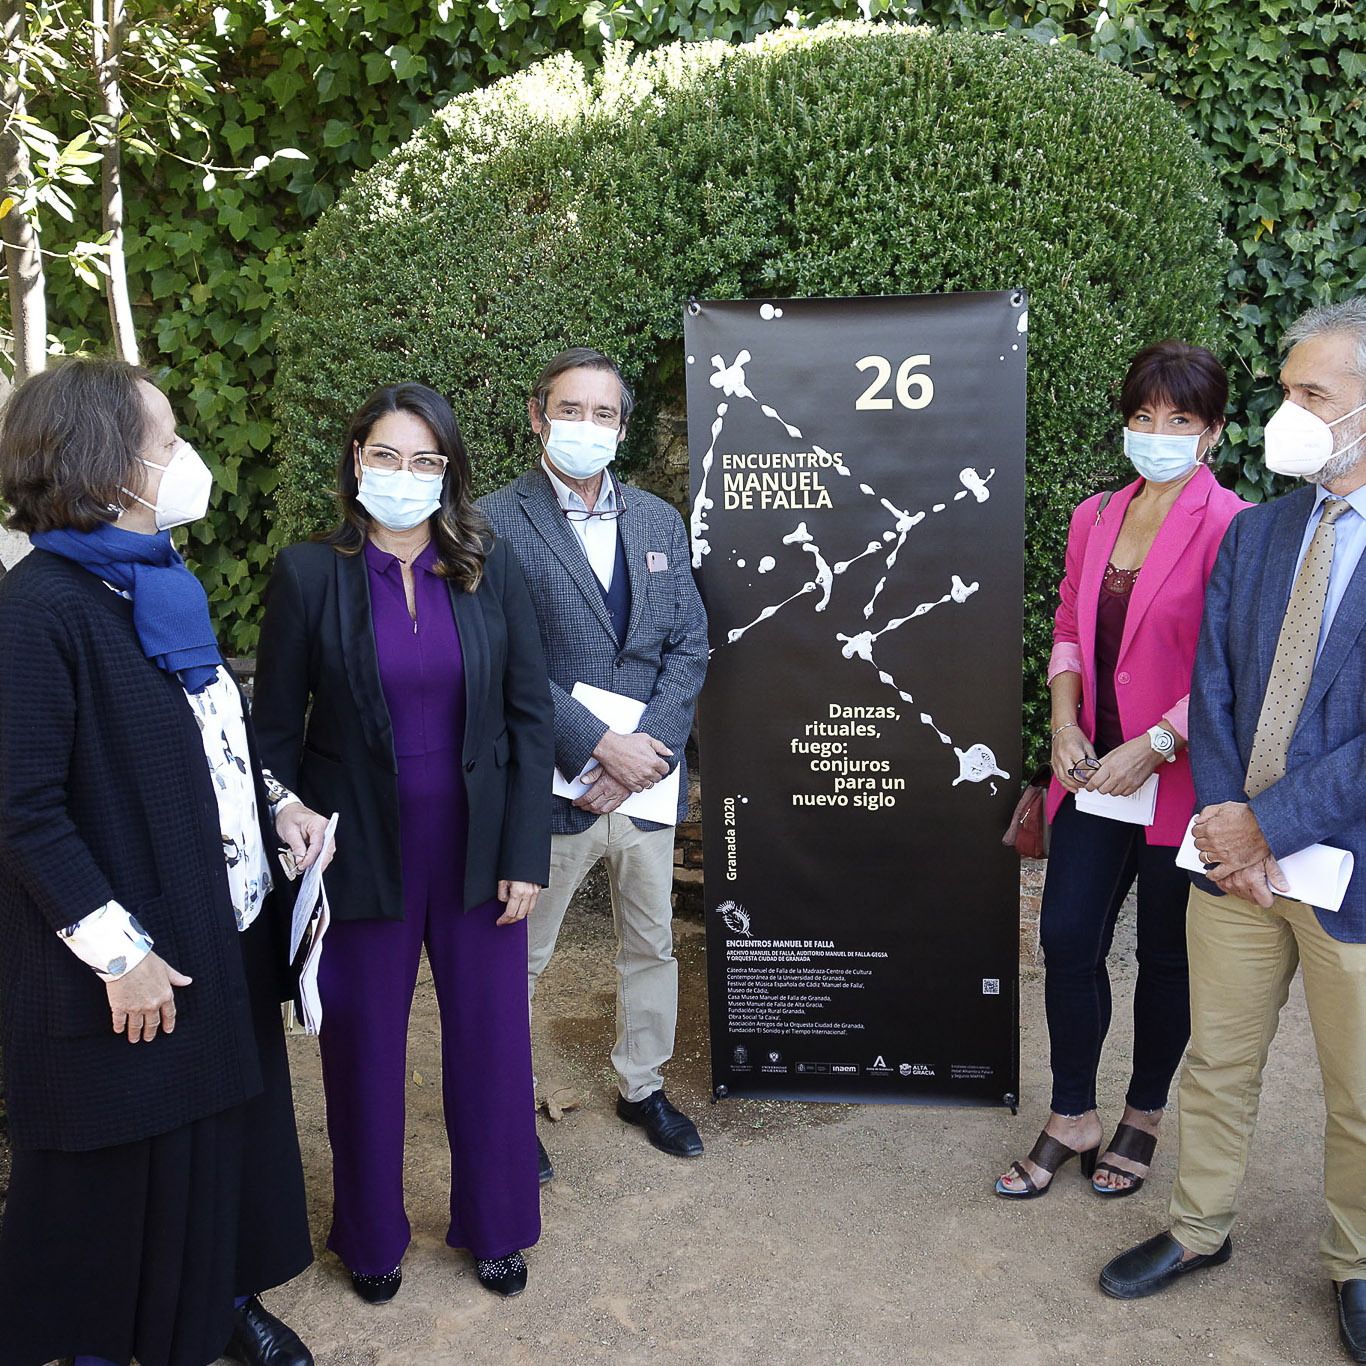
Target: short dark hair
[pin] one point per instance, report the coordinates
(460, 530)
(69, 444)
(1187, 377)
(577, 358)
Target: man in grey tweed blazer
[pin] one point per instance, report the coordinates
(608, 569)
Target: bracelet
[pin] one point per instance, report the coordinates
(1060, 730)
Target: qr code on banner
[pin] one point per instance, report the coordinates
(991, 986)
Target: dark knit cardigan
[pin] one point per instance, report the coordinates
(105, 794)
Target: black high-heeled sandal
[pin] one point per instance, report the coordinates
(1134, 1144)
(1049, 1154)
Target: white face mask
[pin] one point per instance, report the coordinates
(1299, 442)
(581, 449)
(397, 499)
(183, 494)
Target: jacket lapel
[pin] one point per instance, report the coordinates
(632, 530)
(360, 656)
(1282, 559)
(474, 653)
(1342, 636)
(1169, 545)
(547, 516)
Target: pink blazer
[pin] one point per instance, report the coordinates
(1157, 652)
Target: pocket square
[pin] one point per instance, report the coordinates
(655, 560)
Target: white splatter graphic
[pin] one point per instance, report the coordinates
(976, 484)
(871, 548)
(733, 635)
(1023, 324)
(975, 763)
(701, 504)
(825, 579)
(928, 720)
(773, 413)
(730, 379)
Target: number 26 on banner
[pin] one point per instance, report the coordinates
(914, 389)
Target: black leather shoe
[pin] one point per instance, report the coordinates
(670, 1130)
(260, 1339)
(1154, 1265)
(547, 1172)
(505, 1276)
(1352, 1317)
(377, 1289)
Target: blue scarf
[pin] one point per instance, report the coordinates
(170, 607)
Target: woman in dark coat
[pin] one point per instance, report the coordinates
(400, 682)
(156, 1184)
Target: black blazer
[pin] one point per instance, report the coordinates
(318, 646)
(105, 794)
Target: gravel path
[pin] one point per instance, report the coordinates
(818, 1233)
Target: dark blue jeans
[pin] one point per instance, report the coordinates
(1092, 863)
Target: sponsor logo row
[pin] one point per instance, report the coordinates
(772, 1060)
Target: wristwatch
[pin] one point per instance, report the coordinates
(1163, 743)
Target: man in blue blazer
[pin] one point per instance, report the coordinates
(1305, 783)
(608, 569)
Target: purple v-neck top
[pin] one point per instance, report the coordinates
(420, 665)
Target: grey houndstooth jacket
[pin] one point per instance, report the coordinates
(663, 659)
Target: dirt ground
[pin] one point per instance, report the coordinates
(817, 1233)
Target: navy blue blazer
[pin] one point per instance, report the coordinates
(1322, 798)
(105, 794)
(324, 729)
(663, 659)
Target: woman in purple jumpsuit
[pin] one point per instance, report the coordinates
(401, 684)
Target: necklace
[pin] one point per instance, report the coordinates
(407, 561)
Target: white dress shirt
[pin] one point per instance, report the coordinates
(597, 535)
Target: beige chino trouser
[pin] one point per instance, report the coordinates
(640, 874)
(1242, 959)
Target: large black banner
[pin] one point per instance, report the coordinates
(857, 526)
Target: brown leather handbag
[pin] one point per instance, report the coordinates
(1028, 831)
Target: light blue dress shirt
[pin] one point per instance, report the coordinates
(1347, 547)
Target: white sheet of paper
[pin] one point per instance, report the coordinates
(1138, 807)
(309, 1000)
(1317, 875)
(658, 803)
(310, 889)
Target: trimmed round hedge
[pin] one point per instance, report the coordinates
(559, 207)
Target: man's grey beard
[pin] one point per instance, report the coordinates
(1350, 448)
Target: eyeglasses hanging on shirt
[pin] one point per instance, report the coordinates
(599, 515)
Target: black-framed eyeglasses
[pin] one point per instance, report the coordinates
(1084, 768)
(427, 465)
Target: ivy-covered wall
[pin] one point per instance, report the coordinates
(1272, 89)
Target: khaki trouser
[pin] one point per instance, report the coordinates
(1242, 959)
(640, 873)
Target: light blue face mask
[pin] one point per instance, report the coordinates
(1160, 458)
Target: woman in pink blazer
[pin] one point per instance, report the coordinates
(1120, 675)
